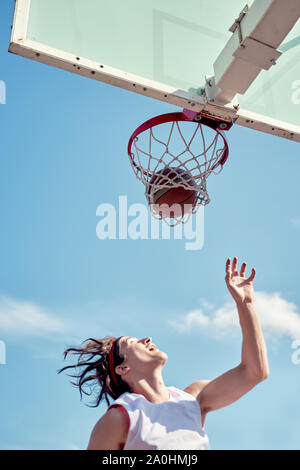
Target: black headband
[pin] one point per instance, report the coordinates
(113, 358)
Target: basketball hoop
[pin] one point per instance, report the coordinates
(184, 150)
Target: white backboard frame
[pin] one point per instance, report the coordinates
(24, 47)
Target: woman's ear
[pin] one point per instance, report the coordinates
(122, 369)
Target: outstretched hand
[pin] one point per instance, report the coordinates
(240, 288)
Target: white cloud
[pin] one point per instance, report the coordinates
(226, 316)
(206, 304)
(191, 320)
(22, 318)
(27, 318)
(277, 317)
(296, 221)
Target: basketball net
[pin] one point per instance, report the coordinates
(188, 142)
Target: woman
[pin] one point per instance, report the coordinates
(146, 414)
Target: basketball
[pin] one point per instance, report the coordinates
(183, 200)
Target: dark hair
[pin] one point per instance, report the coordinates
(97, 374)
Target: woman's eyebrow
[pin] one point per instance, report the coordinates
(131, 337)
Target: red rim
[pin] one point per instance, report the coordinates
(187, 116)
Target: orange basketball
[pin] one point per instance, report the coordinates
(183, 200)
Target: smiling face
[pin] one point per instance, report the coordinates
(142, 357)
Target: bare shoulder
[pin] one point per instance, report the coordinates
(196, 388)
(110, 431)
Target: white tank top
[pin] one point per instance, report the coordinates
(174, 424)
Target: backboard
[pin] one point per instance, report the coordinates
(180, 52)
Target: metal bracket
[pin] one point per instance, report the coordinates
(257, 53)
(210, 88)
(251, 50)
(237, 23)
(211, 91)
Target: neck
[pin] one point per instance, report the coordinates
(152, 388)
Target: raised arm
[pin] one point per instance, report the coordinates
(253, 368)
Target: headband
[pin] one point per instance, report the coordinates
(112, 356)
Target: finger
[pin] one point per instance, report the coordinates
(234, 266)
(252, 276)
(243, 269)
(228, 268)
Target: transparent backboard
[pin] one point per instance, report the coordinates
(160, 48)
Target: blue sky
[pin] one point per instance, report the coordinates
(63, 152)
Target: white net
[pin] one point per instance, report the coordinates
(177, 154)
